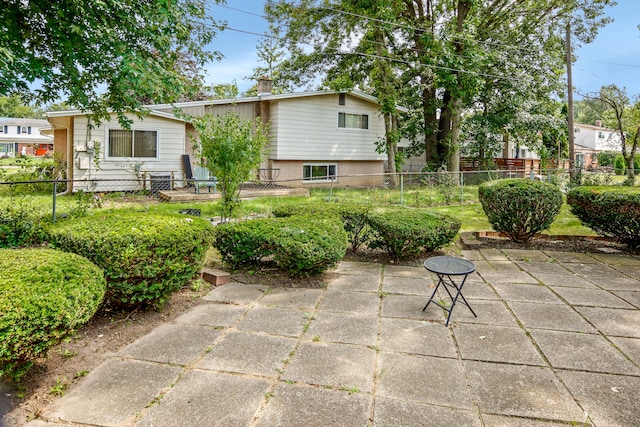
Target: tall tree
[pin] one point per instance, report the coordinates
(75, 50)
(443, 53)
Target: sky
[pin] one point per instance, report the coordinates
(612, 58)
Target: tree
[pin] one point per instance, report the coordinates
(232, 149)
(444, 56)
(12, 106)
(624, 117)
(75, 50)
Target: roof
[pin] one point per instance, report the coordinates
(270, 97)
(592, 127)
(20, 121)
(68, 113)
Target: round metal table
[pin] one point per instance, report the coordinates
(446, 268)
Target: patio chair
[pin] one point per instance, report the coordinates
(201, 178)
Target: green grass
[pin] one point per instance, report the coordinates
(470, 212)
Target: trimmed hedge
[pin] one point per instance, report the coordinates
(353, 216)
(300, 245)
(520, 208)
(405, 232)
(145, 256)
(609, 211)
(44, 296)
(21, 223)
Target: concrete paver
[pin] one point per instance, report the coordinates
(249, 354)
(423, 379)
(207, 398)
(332, 365)
(525, 391)
(555, 343)
(496, 344)
(609, 400)
(565, 350)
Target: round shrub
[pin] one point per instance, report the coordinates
(353, 216)
(520, 208)
(609, 211)
(145, 256)
(619, 165)
(300, 245)
(44, 296)
(406, 232)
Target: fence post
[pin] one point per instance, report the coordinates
(461, 187)
(55, 192)
(401, 189)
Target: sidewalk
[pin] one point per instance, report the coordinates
(556, 342)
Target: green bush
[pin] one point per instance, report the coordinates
(619, 165)
(44, 296)
(145, 256)
(406, 232)
(300, 245)
(353, 216)
(609, 211)
(520, 208)
(21, 223)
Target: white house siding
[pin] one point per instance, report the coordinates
(171, 145)
(596, 138)
(306, 128)
(245, 110)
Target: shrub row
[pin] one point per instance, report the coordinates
(404, 233)
(44, 296)
(401, 232)
(520, 208)
(145, 256)
(609, 211)
(299, 245)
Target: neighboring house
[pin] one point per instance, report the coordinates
(316, 138)
(20, 136)
(589, 140)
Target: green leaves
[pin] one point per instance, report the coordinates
(231, 147)
(520, 207)
(75, 49)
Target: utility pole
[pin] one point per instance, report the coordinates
(572, 171)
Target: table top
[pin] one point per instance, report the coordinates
(449, 265)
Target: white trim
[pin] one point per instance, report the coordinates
(133, 129)
(327, 164)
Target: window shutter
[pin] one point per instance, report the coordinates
(18, 127)
(341, 99)
(29, 130)
(341, 120)
(365, 121)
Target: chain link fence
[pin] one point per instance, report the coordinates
(417, 189)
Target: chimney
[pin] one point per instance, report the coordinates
(599, 123)
(265, 86)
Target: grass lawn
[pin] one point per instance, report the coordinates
(470, 212)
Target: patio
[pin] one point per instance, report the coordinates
(556, 342)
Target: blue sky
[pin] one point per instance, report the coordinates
(614, 57)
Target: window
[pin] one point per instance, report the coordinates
(353, 121)
(133, 143)
(342, 99)
(600, 134)
(319, 172)
(23, 129)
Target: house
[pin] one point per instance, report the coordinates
(109, 158)
(316, 139)
(19, 136)
(589, 140)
